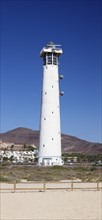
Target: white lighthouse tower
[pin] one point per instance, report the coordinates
(50, 133)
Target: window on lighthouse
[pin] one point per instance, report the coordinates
(44, 60)
(55, 59)
(49, 58)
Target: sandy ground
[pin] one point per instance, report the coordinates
(51, 205)
(64, 205)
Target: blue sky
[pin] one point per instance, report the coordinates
(26, 26)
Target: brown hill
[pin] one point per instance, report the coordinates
(69, 143)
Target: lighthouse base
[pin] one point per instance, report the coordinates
(50, 161)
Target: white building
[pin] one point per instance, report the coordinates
(17, 156)
(50, 133)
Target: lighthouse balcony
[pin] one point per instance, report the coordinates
(50, 50)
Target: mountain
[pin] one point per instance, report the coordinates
(70, 144)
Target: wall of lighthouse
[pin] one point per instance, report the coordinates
(50, 137)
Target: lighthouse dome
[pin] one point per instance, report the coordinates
(51, 44)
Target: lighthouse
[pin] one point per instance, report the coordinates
(50, 131)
